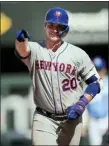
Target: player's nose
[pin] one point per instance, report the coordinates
(55, 30)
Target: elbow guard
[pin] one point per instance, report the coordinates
(94, 88)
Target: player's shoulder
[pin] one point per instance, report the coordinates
(34, 46)
(75, 48)
(33, 43)
(40, 43)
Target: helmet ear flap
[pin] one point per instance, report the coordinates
(63, 33)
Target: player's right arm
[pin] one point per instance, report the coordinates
(22, 49)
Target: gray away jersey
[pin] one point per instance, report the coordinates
(56, 76)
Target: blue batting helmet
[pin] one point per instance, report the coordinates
(59, 16)
(99, 62)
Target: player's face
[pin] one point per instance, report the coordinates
(52, 31)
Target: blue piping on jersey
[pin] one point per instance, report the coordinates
(52, 88)
(58, 80)
(50, 97)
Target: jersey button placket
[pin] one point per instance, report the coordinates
(55, 86)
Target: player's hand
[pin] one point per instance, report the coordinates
(22, 35)
(21, 43)
(76, 110)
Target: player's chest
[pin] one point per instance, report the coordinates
(56, 62)
(61, 55)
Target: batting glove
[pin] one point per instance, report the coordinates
(21, 35)
(76, 110)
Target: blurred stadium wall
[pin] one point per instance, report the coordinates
(88, 30)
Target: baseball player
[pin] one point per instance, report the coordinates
(56, 69)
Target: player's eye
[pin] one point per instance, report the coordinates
(57, 27)
(50, 25)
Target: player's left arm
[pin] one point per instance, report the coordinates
(94, 86)
(91, 77)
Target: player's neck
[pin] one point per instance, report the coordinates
(53, 46)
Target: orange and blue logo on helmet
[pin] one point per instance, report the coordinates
(57, 14)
